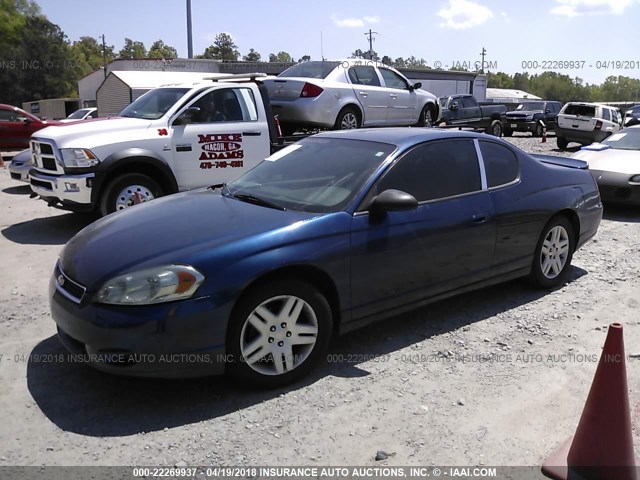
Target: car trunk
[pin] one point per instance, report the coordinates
(578, 117)
(285, 89)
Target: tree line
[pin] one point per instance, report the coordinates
(37, 61)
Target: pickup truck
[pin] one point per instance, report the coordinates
(534, 117)
(464, 111)
(173, 138)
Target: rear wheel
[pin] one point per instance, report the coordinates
(277, 332)
(348, 119)
(128, 190)
(507, 132)
(537, 131)
(552, 259)
(562, 143)
(495, 128)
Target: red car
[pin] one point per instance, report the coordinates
(16, 126)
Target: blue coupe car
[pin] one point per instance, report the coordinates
(341, 229)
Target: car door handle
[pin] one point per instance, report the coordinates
(479, 218)
(364, 94)
(183, 148)
(252, 134)
(393, 96)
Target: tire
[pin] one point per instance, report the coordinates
(495, 128)
(348, 119)
(537, 131)
(251, 354)
(561, 142)
(553, 254)
(426, 117)
(507, 132)
(120, 193)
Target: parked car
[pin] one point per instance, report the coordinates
(348, 94)
(586, 123)
(464, 111)
(632, 116)
(532, 117)
(81, 114)
(325, 236)
(615, 164)
(20, 165)
(16, 126)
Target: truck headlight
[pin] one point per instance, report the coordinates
(78, 158)
(154, 285)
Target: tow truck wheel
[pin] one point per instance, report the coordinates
(128, 190)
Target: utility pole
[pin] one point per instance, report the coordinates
(484, 52)
(189, 32)
(370, 35)
(104, 55)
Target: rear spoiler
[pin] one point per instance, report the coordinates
(562, 161)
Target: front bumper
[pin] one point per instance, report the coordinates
(20, 171)
(172, 340)
(616, 189)
(73, 192)
(520, 126)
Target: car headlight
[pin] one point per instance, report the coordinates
(78, 158)
(154, 285)
(635, 179)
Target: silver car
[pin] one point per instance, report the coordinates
(348, 94)
(20, 165)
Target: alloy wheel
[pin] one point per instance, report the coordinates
(554, 252)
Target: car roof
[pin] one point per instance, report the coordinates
(401, 136)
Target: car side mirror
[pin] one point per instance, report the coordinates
(187, 116)
(416, 85)
(547, 110)
(454, 106)
(392, 201)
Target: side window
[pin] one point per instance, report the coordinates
(500, 163)
(606, 114)
(468, 102)
(7, 116)
(226, 105)
(435, 170)
(364, 75)
(392, 79)
(614, 116)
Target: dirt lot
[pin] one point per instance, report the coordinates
(426, 397)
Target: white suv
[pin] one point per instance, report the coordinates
(586, 123)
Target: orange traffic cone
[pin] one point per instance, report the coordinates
(602, 448)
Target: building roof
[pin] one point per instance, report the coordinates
(508, 93)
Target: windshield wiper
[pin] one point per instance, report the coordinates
(257, 201)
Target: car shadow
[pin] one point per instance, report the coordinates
(18, 190)
(56, 230)
(81, 400)
(621, 213)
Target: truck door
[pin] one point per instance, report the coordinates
(473, 114)
(218, 137)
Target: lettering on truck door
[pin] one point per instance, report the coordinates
(220, 139)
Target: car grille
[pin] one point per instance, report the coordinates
(41, 184)
(67, 287)
(15, 176)
(44, 156)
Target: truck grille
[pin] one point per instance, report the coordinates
(67, 287)
(44, 156)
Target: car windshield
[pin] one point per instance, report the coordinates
(318, 69)
(79, 113)
(317, 175)
(154, 104)
(531, 106)
(625, 139)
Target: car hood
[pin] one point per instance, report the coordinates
(83, 128)
(611, 160)
(177, 229)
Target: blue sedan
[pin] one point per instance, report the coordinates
(341, 229)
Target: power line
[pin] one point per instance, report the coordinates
(370, 34)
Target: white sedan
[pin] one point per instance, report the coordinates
(615, 164)
(348, 94)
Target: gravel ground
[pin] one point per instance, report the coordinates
(426, 397)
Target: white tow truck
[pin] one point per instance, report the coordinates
(173, 138)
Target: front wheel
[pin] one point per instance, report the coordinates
(553, 254)
(348, 119)
(562, 143)
(127, 190)
(495, 128)
(277, 332)
(538, 130)
(426, 117)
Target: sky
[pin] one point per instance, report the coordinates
(589, 39)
